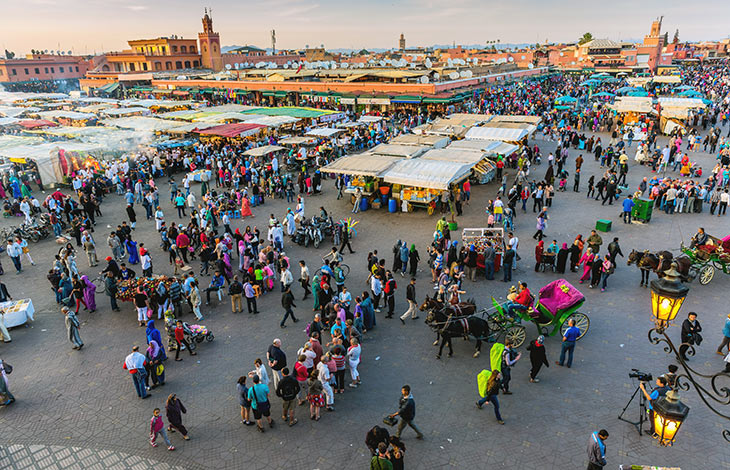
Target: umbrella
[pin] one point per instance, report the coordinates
(624, 89)
(706, 101)
(612, 80)
(637, 93)
(603, 94)
(566, 99)
(690, 94)
(591, 82)
(600, 75)
(684, 87)
(562, 108)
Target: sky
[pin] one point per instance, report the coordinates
(88, 26)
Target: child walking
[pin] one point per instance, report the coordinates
(157, 426)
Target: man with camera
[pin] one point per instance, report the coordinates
(658, 392)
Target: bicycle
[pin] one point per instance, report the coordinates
(345, 270)
(99, 283)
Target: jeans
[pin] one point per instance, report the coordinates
(567, 346)
(403, 423)
(288, 313)
(604, 278)
(627, 217)
(512, 306)
(57, 230)
(507, 268)
(113, 301)
(139, 378)
(506, 377)
(495, 403)
(251, 305)
(164, 436)
(16, 262)
(489, 270)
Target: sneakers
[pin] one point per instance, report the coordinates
(500, 421)
(478, 405)
(153, 444)
(171, 448)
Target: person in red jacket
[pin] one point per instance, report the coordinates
(183, 242)
(180, 340)
(521, 302)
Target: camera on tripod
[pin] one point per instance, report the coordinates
(641, 376)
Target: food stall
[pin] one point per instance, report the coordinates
(479, 238)
(514, 135)
(362, 171)
(632, 109)
(17, 312)
(676, 112)
(486, 168)
(419, 183)
(404, 151)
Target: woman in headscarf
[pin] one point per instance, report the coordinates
(78, 293)
(576, 250)
(174, 409)
(538, 357)
(89, 293)
(131, 246)
(413, 259)
(154, 334)
(539, 250)
(72, 326)
(368, 313)
(587, 261)
(246, 207)
(451, 257)
(562, 258)
(596, 271)
(154, 356)
(65, 287)
(396, 256)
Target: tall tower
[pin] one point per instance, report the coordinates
(210, 45)
(402, 43)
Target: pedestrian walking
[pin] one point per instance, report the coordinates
(26, 250)
(288, 389)
(135, 363)
(304, 279)
(569, 338)
(14, 251)
(538, 357)
(174, 409)
(389, 290)
(725, 337)
(690, 334)
(490, 394)
(181, 341)
(235, 290)
(510, 356)
(259, 396)
(72, 327)
(6, 397)
(287, 301)
(157, 427)
(406, 412)
(597, 450)
(412, 305)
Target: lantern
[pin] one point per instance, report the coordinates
(669, 414)
(667, 296)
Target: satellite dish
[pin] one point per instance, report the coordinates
(273, 65)
(235, 66)
(428, 63)
(462, 74)
(511, 59)
(181, 77)
(413, 65)
(286, 66)
(475, 61)
(361, 65)
(345, 65)
(333, 65)
(436, 76)
(424, 79)
(468, 73)
(453, 75)
(562, 54)
(228, 66)
(530, 66)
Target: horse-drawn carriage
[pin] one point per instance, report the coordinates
(557, 303)
(705, 258)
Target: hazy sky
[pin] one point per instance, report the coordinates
(95, 25)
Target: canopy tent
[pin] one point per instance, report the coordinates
(143, 123)
(95, 108)
(17, 97)
(667, 101)
(690, 94)
(292, 111)
(7, 121)
(7, 141)
(191, 127)
(435, 141)
(272, 121)
(324, 132)
(183, 114)
(220, 117)
(603, 94)
(170, 144)
(36, 123)
(239, 129)
(150, 103)
(624, 104)
(363, 164)
(124, 111)
(298, 140)
(432, 174)
(637, 93)
(263, 150)
(370, 119)
(490, 147)
(517, 118)
(466, 156)
(76, 132)
(396, 150)
(591, 82)
(46, 156)
(566, 100)
(17, 111)
(60, 114)
(494, 133)
(351, 124)
(684, 87)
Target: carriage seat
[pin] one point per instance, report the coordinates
(539, 316)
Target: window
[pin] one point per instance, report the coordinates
(131, 67)
(174, 48)
(192, 49)
(196, 63)
(215, 49)
(205, 48)
(187, 64)
(184, 49)
(77, 68)
(37, 71)
(1, 72)
(158, 66)
(144, 65)
(15, 72)
(61, 69)
(168, 65)
(26, 71)
(178, 65)
(46, 69)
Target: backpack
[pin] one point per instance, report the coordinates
(390, 286)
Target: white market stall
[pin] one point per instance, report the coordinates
(263, 150)
(143, 123)
(433, 141)
(498, 133)
(324, 132)
(17, 312)
(394, 150)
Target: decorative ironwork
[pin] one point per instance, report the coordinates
(718, 391)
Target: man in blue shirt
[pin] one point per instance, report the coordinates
(259, 397)
(628, 206)
(215, 286)
(655, 394)
(569, 338)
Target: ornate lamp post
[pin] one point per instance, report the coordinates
(667, 297)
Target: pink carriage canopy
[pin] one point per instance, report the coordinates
(559, 295)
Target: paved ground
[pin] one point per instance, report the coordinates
(79, 408)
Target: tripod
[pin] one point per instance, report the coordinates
(642, 410)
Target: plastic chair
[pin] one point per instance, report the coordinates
(237, 214)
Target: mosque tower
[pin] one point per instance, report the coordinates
(210, 45)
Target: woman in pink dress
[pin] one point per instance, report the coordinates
(587, 261)
(246, 208)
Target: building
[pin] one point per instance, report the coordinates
(648, 53)
(210, 45)
(41, 67)
(248, 51)
(402, 43)
(147, 55)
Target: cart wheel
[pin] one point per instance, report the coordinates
(316, 242)
(209, 337)
(582, 322)
(410, 207)
(706, 274)
(430, 210)
(200, 338)
(516, 334)
(192, 345)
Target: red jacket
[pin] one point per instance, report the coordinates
(179, 333)
(524, 297)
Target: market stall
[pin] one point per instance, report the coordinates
(17, 312)
(263, 150)
(479, 238)
(241, 129)
(496, 133)
(433, 141)
(676, 112)
(632, 109)
(324, 132)
(362, 171)
(395, 150)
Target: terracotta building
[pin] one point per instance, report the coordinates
(149, 55)
(42, 67)
(210, 45)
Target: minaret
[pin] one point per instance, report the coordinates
(210, 45)
(402, 43)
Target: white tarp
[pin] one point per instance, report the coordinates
(271, 121)
(395, 150)
(363, 164)
(60, 114)
(124, 111)
(297, 140)
(435, 141)
(143, 123)
(148, 103)
(430, 174)
(188, 128)
(263, 150)
(324, 132)
(11, 97)
(16, 111)
(369, 119)
(632, 104)
(493, 133)
(227, 116)
(490, 147)
(7, 141)
(6, 121)
(454, 155)
(669, 101)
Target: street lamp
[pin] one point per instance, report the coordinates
(669, 414)
(667, 295)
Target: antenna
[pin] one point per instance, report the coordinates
(273, 42)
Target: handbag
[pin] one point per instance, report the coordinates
(390, 420)
(160, 369)
(8, 368)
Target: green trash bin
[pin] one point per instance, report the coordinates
(603, 225)
(642, 209)
(453, 226)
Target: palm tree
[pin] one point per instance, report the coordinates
(587, 37)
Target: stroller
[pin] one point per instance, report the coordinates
(196, 334)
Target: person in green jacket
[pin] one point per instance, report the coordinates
(315, 291)
(381, 461)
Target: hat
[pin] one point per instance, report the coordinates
(540, 339)
(108, 258)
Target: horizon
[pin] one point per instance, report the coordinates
(344, 25)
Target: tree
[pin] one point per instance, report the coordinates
(676, 37)
(587, 37)
(666, 37)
